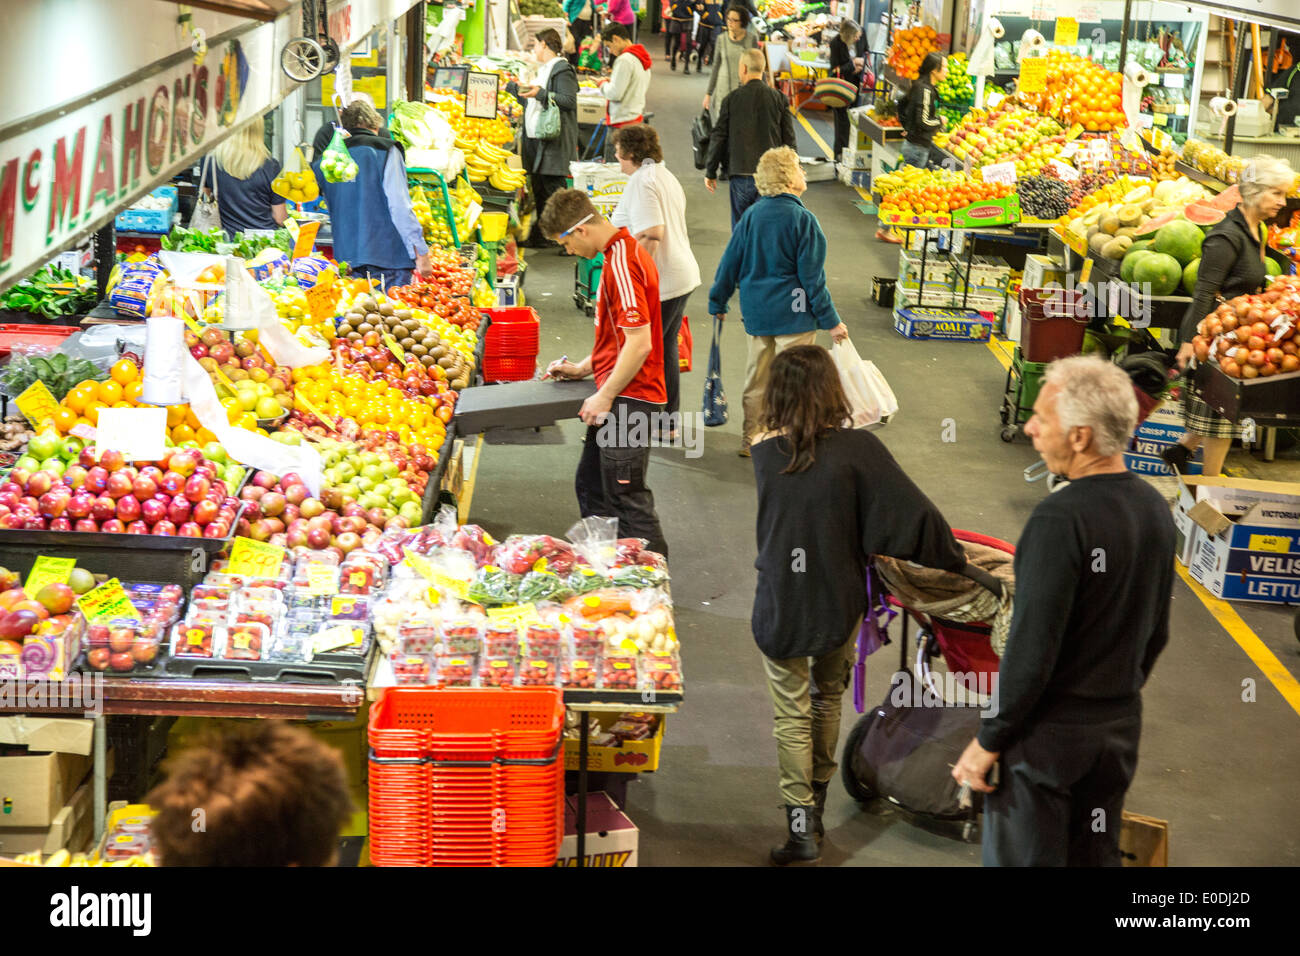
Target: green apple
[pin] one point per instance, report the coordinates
(234, 475)
(401, 496)
(364, 483)
(372, 471)
(368, 458)
(189, 444)
(411, 511)
(45, 445)
(28, 463)
(349, 490)
(344, 472)
(370, 500)
(213, 451)
(54, 465)
(72, 446)
(389, 468)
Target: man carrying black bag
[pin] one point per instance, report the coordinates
(1094, 571)
(701, 130)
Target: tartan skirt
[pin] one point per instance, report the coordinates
(1200, 419)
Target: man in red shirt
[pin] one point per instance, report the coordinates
(628, 362)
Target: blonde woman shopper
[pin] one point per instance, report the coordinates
(244, 170)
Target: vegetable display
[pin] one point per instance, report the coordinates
(59, 373)
(51, 292)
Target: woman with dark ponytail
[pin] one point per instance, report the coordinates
(920, 113)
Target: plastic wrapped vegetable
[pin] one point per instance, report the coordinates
(522, 553)
(492, 585)
(337, 164)
(475, 540)
(543, 586)
(638, 576)
(583, 579)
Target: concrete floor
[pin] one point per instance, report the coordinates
(1218, 769)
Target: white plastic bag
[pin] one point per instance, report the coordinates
(871, 400)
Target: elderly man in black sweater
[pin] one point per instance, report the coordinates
(1094, 571)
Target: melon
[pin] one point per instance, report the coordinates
(1271, 265)
(1166, 188)
(1140, 194)
(1129, 231)
(1098, 242)
(1180, 239)
(1152, 226)
(1160, 271)
(1189, 276)
(1202, 213)
(1130, 262)
(1109, 222)
(1139, 246)
(1116, 248)
(1227, 200)
(1130, 215)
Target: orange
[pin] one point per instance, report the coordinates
(182, 433)
(109, 392)
(64, 419)
(77, 399)
(124, 372)
(89, 385)
(132, 391)
(123, 404)
(203, 436)
(175, 415)
(191, 419)
(91, 411)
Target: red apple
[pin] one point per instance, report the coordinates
(318, 538)
(172, 482)
(128, 509)
(84, 524)
(205, 512)
(242, 528)
(152, 471)
(60, 524)
(143, 488)
(218, 530)
(164, 527)
(12, 522)
(207, 471)
(152, 511)
(196, 488)
(376, 517)
(272, 503)
(119, 485)
(137, 527)
(112, 526)
(96, 480)
(79, 505)
(349, 541)
(74, 476)
(39, 483)
(296, 537)
(103, 508)
(34, 524)
(278, 540)
(53, 504)
(29, 505)
(97, 658)
(311, 508)
(123, 662)
(190, 530)
(20, 477)
(261, 530)
(184, 462)
(264, 479)
(112, 459)
(179, 510)
(88, 459)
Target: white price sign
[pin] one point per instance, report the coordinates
(138, 433)
(1067, 172)
(481, 95)
(999, 173)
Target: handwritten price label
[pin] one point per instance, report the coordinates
(320, 301)
(108, 602)
(305, 239)
(1067, 32)
(395, 347)
(255, 559)
(1033, 75)
(335, 637)
(37, 403)
(520, 615)
(48, 570)
(443, 583)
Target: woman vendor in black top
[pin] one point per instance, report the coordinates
(848, 50)
(1232, 263)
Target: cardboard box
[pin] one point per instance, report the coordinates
(1163, 428)
(934, 298)
(1245, 537)
(856, 158)
(1040, 271)
(926, 322)
(507, 289)
(632, 756)
(35, 787)
(939, 269)
(71, 829)
(1011, 320)
(591, 109)
(611, 837)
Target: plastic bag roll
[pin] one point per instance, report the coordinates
(996, 28)
(1032, 43)
(1131, 99)
(1137, 74)
(1222, 106)
(164, 361)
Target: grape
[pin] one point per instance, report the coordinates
(1044, 197)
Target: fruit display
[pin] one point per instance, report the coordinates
(957, 89)
(884, 112)
(356, 405)
(421, 320)
(540, 8)
(297, 187)
(941, 199)
(1162, 167)
(55, 371)
(1043, 197)
(487, 163)
(1253, 336)
(435, 223)
(909, 48)
(179, 495)
(1080, 91)
(497, 131)
(40, 633)
(1125, 208)
(1006, 134)
(50, 292)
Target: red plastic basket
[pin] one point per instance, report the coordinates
(509, 369)
(44, 336)
(512, 333)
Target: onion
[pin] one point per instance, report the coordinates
(1255, 342)
(1267, 369)
(1290, 363)
(1272, 295)
(1260, 328)
(1229, 323)
(1200, 349)
(1249, 371)
(1256, 357)
(1290, 348)
(1242, 307)
(1230, 367)
(1275, 355)
(1240, 355)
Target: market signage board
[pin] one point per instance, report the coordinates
(1033, 75)
(1067, 32)
(138, 433)
(481, 95)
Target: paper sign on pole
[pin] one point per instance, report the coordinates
(140, 434)
(48, 570)
(37, 403)
(481, 95)
(1033, 75)
(305, 241)
(1067, 32)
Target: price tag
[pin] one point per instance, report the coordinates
(322, 579)
(520, 615)
(481, 95)
(1278, 544)
(1067, 32)
(1088, 13)
(255, 559)
(343, 605)
(1160, 119)
(140, 434)
(999, 173)
(107, 602)
(1033, 75)
(1159, 139)
(395, 347)
(83, 431)
(223, 378)
(305, 239)
(1075, 132)
(48, 570)
(1086, 271)
(37, 403)
(339, 635)
(1067, 172)
(306, 403)
(320, 301)
(444, 583)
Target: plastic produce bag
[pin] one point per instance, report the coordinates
(871, 400)
(337, 164)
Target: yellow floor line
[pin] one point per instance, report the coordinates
(1002, 351)
(1248, 641)
(803, 120)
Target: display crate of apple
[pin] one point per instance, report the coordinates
(40, 633)
(1008, 133)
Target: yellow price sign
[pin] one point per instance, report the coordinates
(223, 377)
(395, 347)
(305, 239)
(1086, 271)
(255, 559)
(1277, 543)
(108, 602)
(320, 302)
(520, 615)
(1067, 32)
(307, 404)
(1033, 75)
(37, 403)
(443, 583)
(48, 570)
(339, 635)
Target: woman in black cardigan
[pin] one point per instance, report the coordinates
(547, 160)
(847, 56)
(1232, 263)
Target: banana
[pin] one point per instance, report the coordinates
(62, 858)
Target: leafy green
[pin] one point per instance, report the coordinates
(59, 374)
(181, 239)
(51, 292)
(248, 247)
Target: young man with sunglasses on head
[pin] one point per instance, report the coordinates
(627, 361)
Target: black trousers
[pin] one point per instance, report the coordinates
(841, 132)
(544, 187)
(581, 29)
(1062, 795)
(611, 477)
(671, 312)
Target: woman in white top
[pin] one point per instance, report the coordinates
(653, 209)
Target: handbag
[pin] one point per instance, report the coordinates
(715, 400)
(835, 93)
(549, 121)
(685, 343)
(871, 400)
(207, 215)
(701, 130)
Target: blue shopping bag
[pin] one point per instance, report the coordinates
(715, 399)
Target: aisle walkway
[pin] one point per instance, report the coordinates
(1219, 769)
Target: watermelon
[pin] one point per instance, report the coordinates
(1139, 246)
(1271, 265)
(1180, 239)
(1152, 226)
(1202, 213)
(1130, 263)
(1189, 276)
(1227, 200)
(1160, 271)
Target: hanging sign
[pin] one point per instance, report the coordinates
(999, 173)
(37, 403)
(1067, 32)
(481, 95)
(1033, 75)
(48, 570)
(140, 434)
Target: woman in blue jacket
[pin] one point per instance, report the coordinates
(777, 258)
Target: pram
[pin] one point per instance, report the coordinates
(903, 749)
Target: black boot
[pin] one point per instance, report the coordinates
(819, 806)
(672, 64)
(800, 845)
(1176, 457)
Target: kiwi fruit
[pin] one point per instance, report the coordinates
(353, 336)
(403, 314)
(406, 343)
(365, 327)
(386, 308)
(444, 361)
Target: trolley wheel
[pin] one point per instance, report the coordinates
(1009, 433)
(331, 54)
(856, 788)
(577, 301)
(1004, 413)
(302, 59)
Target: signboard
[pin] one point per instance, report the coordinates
(138, 433)
(451, 78)
(481, 95)
(48, 570)
(1067, 32)
(108, 602)
(255, 559)
(999, 173)
(37, 403)
(1033, 75)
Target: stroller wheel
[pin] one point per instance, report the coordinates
(1009, 433)
(855, 787)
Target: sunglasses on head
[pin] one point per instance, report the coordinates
(580, 222)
